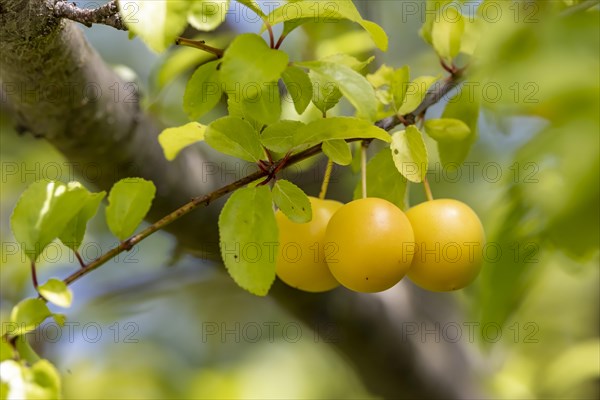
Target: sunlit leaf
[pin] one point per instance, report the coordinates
(74, 231)
(447, 129)
(299, 12)
(299, 87)
(28, 314)
(353, 85)
(56, 292)
(129, 201)
(173, 140)
(338, 128)
(158, 23)
(464, 106)
(203, 90)
(235, 137)
(446, 33)
(43, 211)
(410, 154)
(292, 201)
(207, 15)
(250, 70)
(253, 5)
(279, 136)
(415, 93)
(338, 151)
(248, 238)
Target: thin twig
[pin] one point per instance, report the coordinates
(107, 14)
(363, 167)
(200, 44)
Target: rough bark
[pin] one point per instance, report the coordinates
(60, 89)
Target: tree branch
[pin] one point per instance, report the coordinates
(107, 14)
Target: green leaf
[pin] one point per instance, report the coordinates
(415, 93)
(73, 233)
(399, 86)
(463, 106)
(129, 201)
(44, 381)
(208, 15)
(292, 201)
(299, 87)
(6, 350)
(26, 352)
(253, 5)
(446, 33)
(432, 14)
(299, 12)
(353, 85)
(338, 128)
(158, 23)
(250, 71)
(249, 238)
(235, 137)
(326, 93)
(279, 137)
(447, 129)
(28, 315)
(235, 110)
(203, 90)
(60, 319)
(173, 140)
(383, 180)
(56, 292)
(410, 154)
(338, 151)
(43, 211)
(265, 107)
(349, 61)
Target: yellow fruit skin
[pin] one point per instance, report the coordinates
(449, 245)
(301, 255)
(374, 242)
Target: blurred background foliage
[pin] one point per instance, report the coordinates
(533, 177)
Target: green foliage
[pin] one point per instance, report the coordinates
(415, 93)
(292, 201)
(207, 15)
(384, 181)
(350, 83)
(464, 107)
(410, 154)
(129, 201)
(299, 86)
(157, 23)
(338, 128)
(38, 381)
(338, 151)
(173, 140)
(279, 136)
(446, 34)
(203, 90)
(43, 211)
(248, 238)
(250, 70)
(28, 314)
(73, 233)
(300, 12)
(25, 350)
(447, 129)
(235, 137)
(56, 292)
